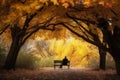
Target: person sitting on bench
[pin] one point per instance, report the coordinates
(64, 62)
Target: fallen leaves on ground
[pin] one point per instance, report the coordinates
(58, 74)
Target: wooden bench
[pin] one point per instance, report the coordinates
(59, 63)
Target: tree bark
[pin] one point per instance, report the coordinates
(115, 52)
(102, 64)
(117, 65)
(12, 55)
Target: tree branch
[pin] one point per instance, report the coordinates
(86, 39)
(3, 29)
(84, 20)
(29, 18)
(36, 27)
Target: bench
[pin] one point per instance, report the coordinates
(59, 63)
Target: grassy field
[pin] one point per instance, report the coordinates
(58, 74)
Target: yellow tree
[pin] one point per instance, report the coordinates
(105, 19)
(23, 18)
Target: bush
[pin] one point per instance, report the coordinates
(31, 61)
(46, 62)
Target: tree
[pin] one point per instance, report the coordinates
(83, 16)
(112, 39)
(84, 27)
(99, 19)
(112, 34)
(24, 18)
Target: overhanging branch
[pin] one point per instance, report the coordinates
(29, 18)
(86, 39)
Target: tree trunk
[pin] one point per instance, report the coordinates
(102, 64)
(12, 55)
(117, 64)
(115, 52)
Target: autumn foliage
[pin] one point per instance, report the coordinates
(20, 20)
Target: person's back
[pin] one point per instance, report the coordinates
(65, 61)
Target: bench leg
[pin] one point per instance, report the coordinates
(60, 66)
(68, 67)
(54, 66)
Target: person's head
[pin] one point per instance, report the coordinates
(65, 57)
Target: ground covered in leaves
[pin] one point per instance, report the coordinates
(58, 74)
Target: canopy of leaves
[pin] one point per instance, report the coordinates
(15, 11)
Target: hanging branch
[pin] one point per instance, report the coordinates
(76, 33)
(81, 26)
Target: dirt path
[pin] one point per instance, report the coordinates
(58, 74)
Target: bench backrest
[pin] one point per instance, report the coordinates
(59, 61)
